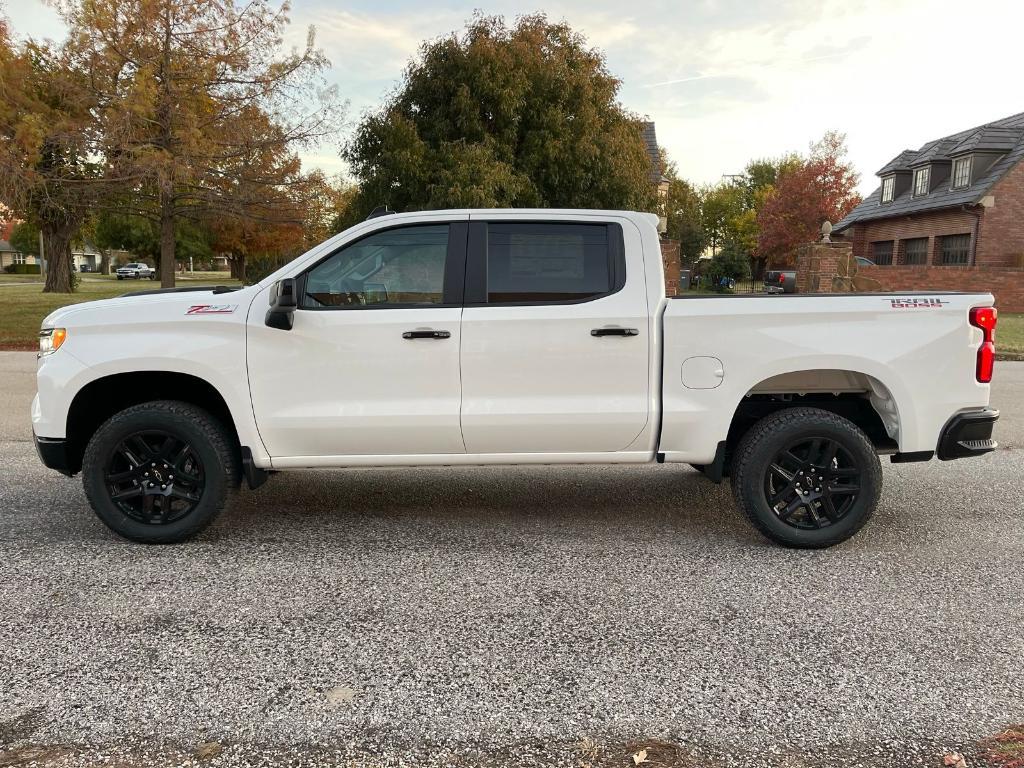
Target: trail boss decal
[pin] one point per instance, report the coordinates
(917, 303)
(211, 309)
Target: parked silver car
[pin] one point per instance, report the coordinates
(136, 271)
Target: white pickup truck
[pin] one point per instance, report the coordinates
(506, 337)
(135, 271)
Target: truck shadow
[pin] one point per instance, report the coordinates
(595, 497)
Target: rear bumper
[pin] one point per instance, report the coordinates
(968, 434)
(54, 453)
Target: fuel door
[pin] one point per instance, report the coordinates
(702, 372)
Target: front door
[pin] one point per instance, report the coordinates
(555, 338)
(371, 366)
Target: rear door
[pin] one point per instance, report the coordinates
(371, 366)
(555, 337)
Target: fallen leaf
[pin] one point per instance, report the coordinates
(208, 750)
(954, 760)
(640, 757)
(341, 694)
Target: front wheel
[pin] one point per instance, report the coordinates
(806, 478)
(160, 472)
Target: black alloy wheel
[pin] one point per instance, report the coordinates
(159, 472)
(155, 477)
(812, 483)
(806, 477)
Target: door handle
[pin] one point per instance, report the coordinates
(615, 332)
(427, 333)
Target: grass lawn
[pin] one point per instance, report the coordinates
(23, 306)
(207, 278)
(1010, 336)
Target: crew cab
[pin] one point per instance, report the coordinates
(476, 337)
(135, 271)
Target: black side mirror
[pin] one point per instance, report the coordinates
(284, 299)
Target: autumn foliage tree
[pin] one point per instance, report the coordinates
(821, 188)
(200, 105)
(48, 164)
(522, 115)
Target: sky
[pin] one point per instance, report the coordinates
(725, 81)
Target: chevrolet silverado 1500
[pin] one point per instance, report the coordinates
(506, 337)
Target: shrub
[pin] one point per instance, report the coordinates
(732, 263)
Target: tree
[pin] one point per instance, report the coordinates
(140, 236)
(682, 210)
(47, 148)
(822, 188)
(763, 174)
(721, 207)
(197, 101)
(732, 263)
(25, 238)
(523, 115)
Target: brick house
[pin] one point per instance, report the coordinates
(948, 216)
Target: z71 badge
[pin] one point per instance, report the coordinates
(211, 309)
(926, 303)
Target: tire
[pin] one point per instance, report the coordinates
(823, 496)
(155, 507)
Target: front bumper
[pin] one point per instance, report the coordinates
(968, 434)
(55, 454)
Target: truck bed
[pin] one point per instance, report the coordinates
(911, 355)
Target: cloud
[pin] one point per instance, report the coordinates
(724, 80)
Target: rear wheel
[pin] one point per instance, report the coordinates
(806, 478)
(160, 472)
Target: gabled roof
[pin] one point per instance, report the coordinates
(899, 163)
(1004, 136)
(934, 152)
(988, 138)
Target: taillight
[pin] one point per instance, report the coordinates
(985, 318)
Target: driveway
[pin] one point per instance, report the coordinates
(565, 616)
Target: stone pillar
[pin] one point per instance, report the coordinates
(819, 264)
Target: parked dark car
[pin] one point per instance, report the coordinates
(780, 281)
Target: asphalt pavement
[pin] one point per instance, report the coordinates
(567, 616)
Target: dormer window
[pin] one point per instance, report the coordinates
(921, 178)
(962, 172)
(888, 185)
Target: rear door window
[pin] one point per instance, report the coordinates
(540, 262)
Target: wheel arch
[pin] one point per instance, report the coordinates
(858, 396)
(101, 398)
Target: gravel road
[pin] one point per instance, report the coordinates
(510, 616)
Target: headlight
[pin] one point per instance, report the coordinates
(50, 340)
